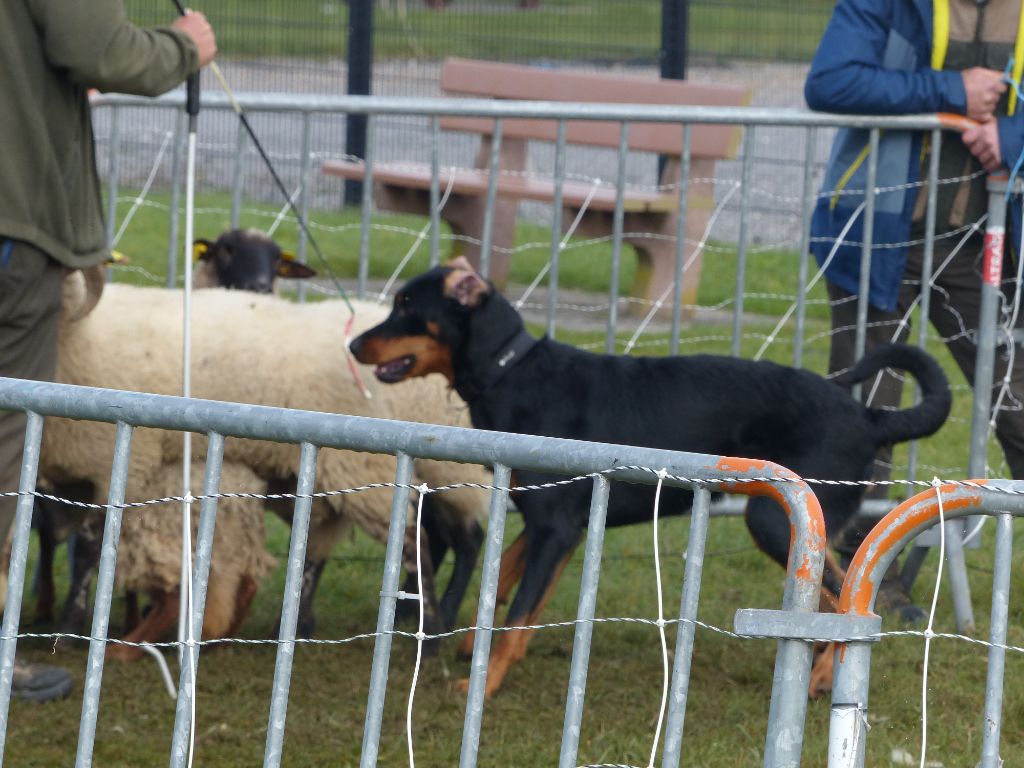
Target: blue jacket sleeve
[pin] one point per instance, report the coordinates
(865, 64)
(1011, 138)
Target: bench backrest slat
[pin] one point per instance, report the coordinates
(469, 77)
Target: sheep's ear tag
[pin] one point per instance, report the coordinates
(199, 249)
(287, 256)
(116, 257)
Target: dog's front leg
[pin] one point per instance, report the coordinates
(510, 572)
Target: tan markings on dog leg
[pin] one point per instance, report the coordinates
(838, 572)
(510, 572)
(511, 646)
(821, 672)
(534, 618)
(827, 602)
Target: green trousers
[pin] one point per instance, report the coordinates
(30, 294)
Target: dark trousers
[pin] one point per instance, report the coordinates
(955, 302)
(30, 295)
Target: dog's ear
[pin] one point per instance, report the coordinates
(461, 262)
(463, 283)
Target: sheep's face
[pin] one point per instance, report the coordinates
(246, 260)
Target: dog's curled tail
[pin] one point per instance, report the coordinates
(921, 420)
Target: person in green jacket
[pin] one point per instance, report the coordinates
(51, 211)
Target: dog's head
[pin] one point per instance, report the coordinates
(427, 325)
(246, 260)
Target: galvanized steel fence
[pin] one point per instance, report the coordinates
(503, 453)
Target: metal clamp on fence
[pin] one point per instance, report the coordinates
(759, 622)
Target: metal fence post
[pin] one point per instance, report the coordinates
(290, 607)
(19, 555)
(386, 612)
(104, 594)
(200, 580)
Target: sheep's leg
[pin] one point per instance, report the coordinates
(46, 591)
(86, 545)
(132, 615)
(438, 540)
(466, 543)
(311, 573)
(162, 617)
(243, 601)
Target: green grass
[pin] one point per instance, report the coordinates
(728, 702)
(557, 30)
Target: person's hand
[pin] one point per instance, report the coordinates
(983, 88)
(195, 25)
(983, 142)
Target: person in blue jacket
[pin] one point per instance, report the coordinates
(888, 57)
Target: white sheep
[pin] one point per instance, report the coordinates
(255, 349)
(149, 558)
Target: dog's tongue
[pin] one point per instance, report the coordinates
(394, 370)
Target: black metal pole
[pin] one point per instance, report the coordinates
(360, 70)
(674, 22)
(672, 57)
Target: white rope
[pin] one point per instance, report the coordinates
(140, 199)
(814, 281)
(288, 206)
(928, 633)
(662, 474)
(562, 244)
(699, 249)
(423, 490)
(420, 237)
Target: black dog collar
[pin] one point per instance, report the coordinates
(512, 352)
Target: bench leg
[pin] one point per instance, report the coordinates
(656, 260)
(653, 237)
(465, 215)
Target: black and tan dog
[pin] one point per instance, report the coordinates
(451, 321)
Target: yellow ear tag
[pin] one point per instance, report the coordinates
(287, 256)
(116, 257)
(198, 250)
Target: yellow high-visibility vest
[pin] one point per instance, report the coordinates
(940, 43)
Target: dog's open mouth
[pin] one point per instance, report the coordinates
(395, 370)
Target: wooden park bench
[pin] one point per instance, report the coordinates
(650, 222)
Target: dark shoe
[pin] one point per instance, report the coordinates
(40, 682)
(894, 600)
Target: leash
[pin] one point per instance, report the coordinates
(299, 218)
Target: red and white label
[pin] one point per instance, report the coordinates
(993, 267)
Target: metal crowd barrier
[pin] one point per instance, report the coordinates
(811, 125)
(1000, 498)
(502, 452)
